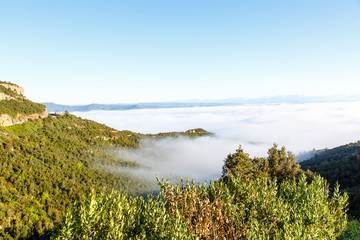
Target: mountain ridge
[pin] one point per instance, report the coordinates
(281, 99)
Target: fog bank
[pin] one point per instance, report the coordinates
(299, 127)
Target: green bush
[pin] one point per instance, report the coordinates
(118, 216)
(352, 231)
(258, 208)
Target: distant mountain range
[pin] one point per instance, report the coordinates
(293, 99)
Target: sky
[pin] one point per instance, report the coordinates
(90, 51)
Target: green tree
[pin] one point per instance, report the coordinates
(282, 164)
(237, 163)
(279, 164)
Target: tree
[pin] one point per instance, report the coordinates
(282, 164)
(279, 164)
(239, 163)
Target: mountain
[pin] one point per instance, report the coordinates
(51, 161)
(53, 107)
(342, 165)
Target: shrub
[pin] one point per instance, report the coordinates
(118, 216)
(352, 231)
(258, 208)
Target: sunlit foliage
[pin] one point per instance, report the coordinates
(279, 164)
(258, 208)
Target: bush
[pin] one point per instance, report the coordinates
(352, 231)
(258, 208)
(118, 216)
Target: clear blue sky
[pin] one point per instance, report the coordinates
(87, 51)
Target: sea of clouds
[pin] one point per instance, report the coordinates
(298, 127)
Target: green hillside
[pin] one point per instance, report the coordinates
(342, 165)
(48, 164)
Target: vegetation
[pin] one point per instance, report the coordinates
(55, 182)
(9, 83)
(245, 206)
(352, 231)
(342, 165)
(118, 216)
(198, 132)
(48, 164)
(279, 164)
(22, 106)
(18, 104)
(258, 208)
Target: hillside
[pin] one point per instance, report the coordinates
(51, 162)
(15, 107)
(47, 164)
(342, 165)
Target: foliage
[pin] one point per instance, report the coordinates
(198, 132)
(352, 231)
(258, 208)
(342, 165)
(118, 216)
(14, 107)
(46, 165)
(279, 164)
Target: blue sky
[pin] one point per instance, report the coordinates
(79, 52)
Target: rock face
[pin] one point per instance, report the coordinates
(7, 120)
(13, 87)
(3, 96)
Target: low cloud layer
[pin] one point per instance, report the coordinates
(299, 127)
(177, 158)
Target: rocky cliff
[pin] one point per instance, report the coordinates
(7, 120)
(13, 87)
(15, 108)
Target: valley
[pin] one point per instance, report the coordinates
(51, 164)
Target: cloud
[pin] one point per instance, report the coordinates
(299, 127)
(178, 157)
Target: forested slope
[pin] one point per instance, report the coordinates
(342, 165)
(49, 163)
